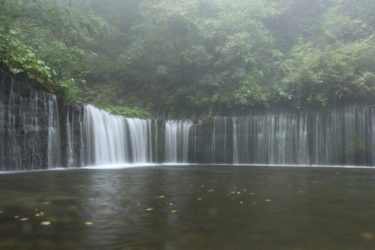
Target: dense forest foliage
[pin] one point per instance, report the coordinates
(184, 56)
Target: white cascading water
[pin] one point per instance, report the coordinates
(31, 137)
(109, 139)
(70, 128)
(54, 145)
(235, 141)
(106, 135)
(140, 132)
(177, 141)
(338, 136)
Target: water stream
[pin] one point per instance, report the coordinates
(177, 135)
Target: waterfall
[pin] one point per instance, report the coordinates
(140, 132)
(177, 141)
(337, 136)
(220, 142)
(105, 134)
(29, 129)
(69, 140)
(75, 137)
(342, 136)
(37, 133)
(270, 139)
(54, 146)
(235, 142)
(96, 137)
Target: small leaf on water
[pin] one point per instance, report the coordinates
(252, 193)
(199, 199)
(39, 214)
(89, 223)
(24, 219)
(170, 204)
(16, 217)
(241, 202)
(210, 191)
(161, 196)
(45, 223)
(173, 211)
(368, 236)
(267, 200)
(150, 209)
(301, 192)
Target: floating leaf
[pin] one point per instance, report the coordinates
(173, 211)
(39, 214)
(45, 223)
(89, 223)
(150, 209)
(368, 236)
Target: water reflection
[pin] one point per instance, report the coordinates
(191, 207)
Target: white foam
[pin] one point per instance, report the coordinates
(146, 165)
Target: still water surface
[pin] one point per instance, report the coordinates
(189, 207)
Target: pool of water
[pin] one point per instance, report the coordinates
(189, 207)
